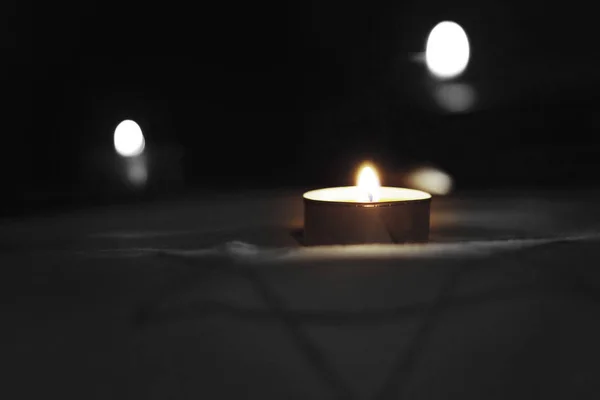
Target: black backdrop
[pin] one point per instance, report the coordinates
(296, 93)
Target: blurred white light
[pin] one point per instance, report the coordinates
(129, 139)
(431, 180)
(455, 97)
(447, 51)
(137, 173)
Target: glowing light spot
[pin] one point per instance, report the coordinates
(447, 51)
(455, 97)
(368, 184)
(431, 180)
(129, 139)
(137, 173)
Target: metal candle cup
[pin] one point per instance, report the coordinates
(331, 216)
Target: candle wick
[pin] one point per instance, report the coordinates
(370, 197)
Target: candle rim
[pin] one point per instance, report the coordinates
(419, 195)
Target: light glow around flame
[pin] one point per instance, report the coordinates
(368, 184)
(367, 190)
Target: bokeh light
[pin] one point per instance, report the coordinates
(447, 51)
(128, 139)
(137, 172)
(455, 97)
(431, 180)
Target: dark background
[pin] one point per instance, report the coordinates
(279, 94)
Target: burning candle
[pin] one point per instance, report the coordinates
(366, 213)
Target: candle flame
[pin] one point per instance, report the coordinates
(368, 184)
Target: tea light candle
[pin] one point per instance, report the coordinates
(366, 213)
